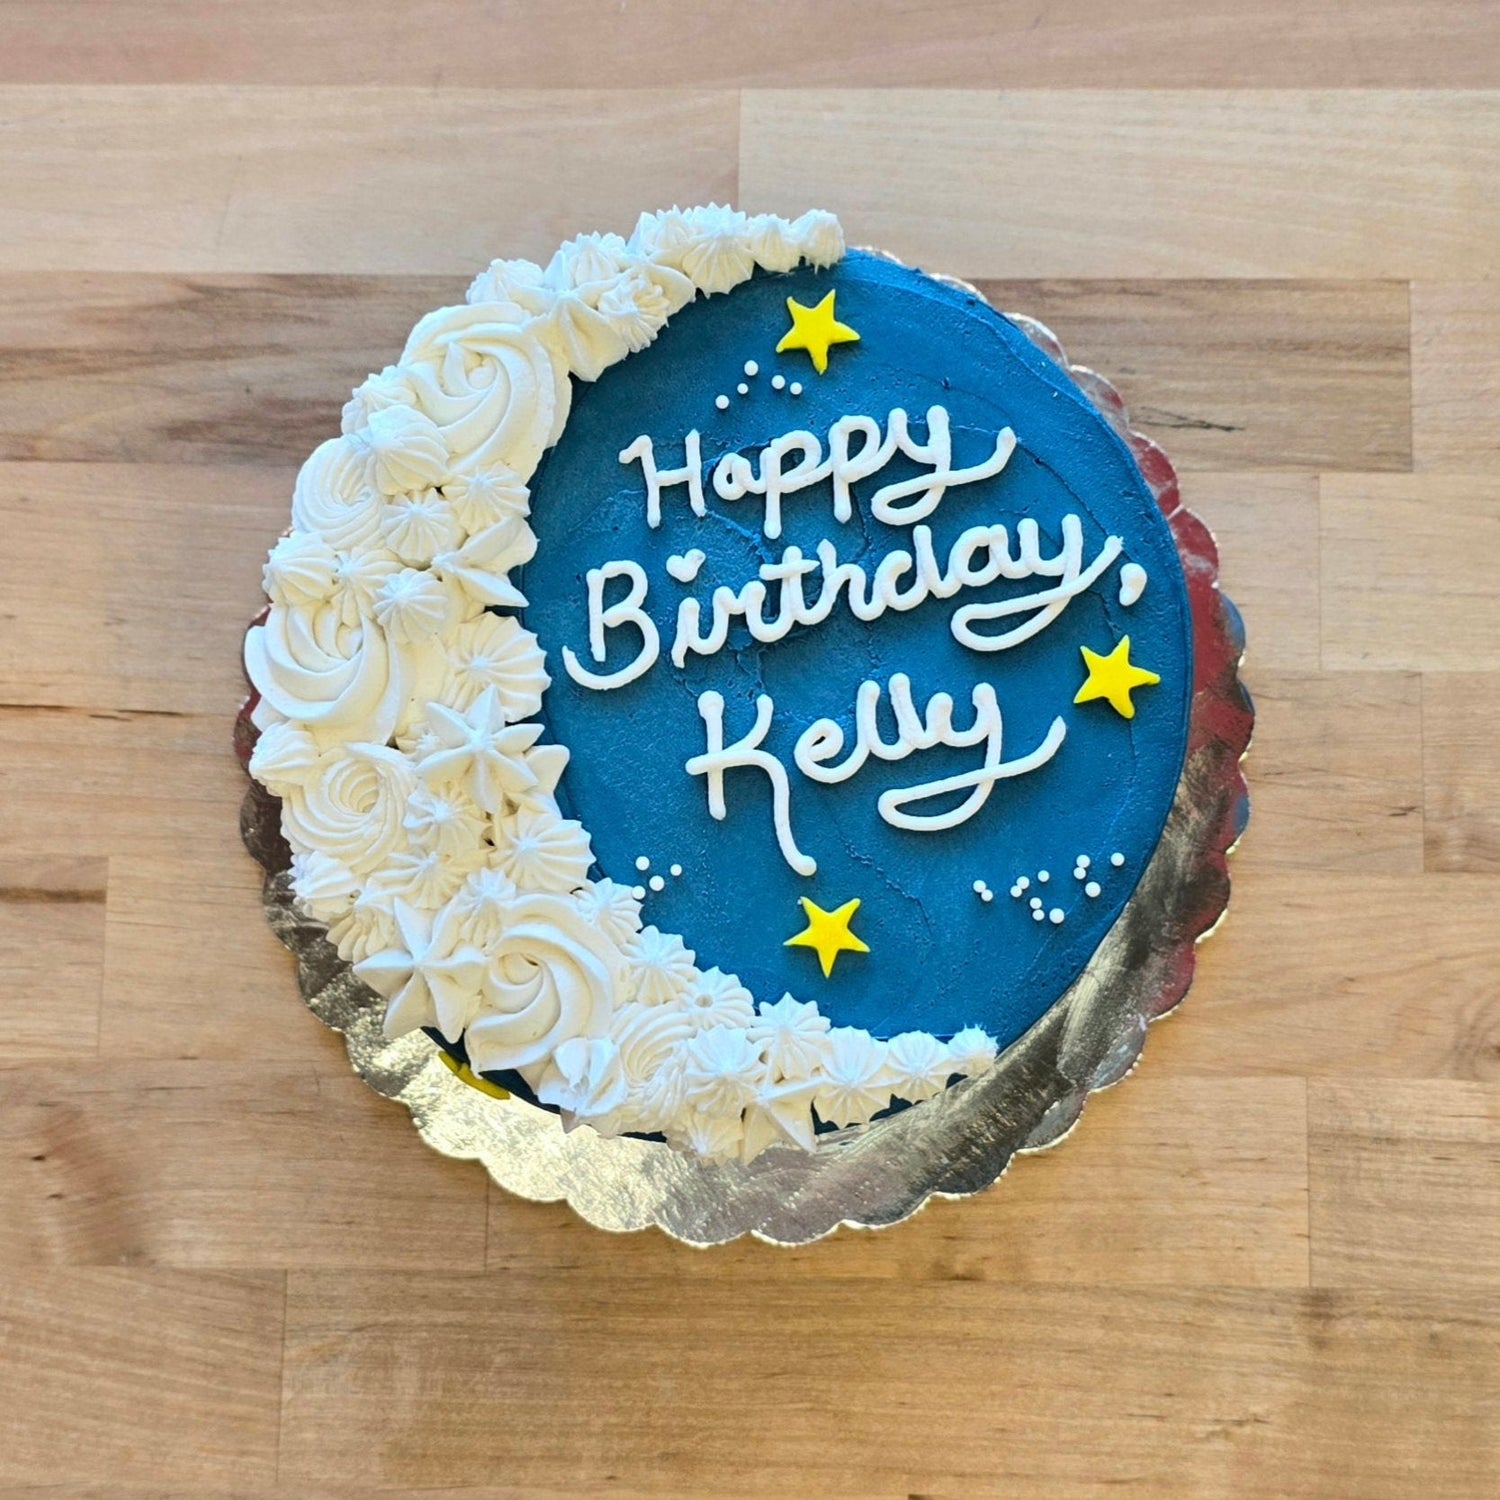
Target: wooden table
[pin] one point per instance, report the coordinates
(1269, 1265)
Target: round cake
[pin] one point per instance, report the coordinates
(723, 687)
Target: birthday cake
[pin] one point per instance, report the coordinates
(722, 687)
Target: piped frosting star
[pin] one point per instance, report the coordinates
(827, 933)
(428, 975)
(1114, 678)
(815, 329)
(480, 751)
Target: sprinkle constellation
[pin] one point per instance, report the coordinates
(742, 388)
(1082, 865)
(657, 882)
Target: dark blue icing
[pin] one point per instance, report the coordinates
(940, 958)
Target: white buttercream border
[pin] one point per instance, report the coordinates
(395, 710)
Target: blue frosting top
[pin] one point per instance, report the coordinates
(940, 957)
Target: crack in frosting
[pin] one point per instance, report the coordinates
(396, 717)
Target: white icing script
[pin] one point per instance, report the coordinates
(799, 590)
(980, 556)
(719, 757)
(626, 611)
(902, 503)
(823, 741)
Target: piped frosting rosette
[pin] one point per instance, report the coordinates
(397, 710)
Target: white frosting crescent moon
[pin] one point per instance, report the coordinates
(395, 701)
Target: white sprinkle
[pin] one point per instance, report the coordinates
(657, 883)
(743, 389)
(642, 863)
(1039, 915)
(1117, 860)
(795, 387)
(722, 402)
(751, 368)
(1015, 890)
(1055, 916)
(1079, 872)
(978, 886)
(677, 869)
(986, 894)
(1023, 882)
(778, 382)
(639, 892)
(1132, 583)
(1035, 903)
(1044, 876)
(1084, 861)
(1091, 889)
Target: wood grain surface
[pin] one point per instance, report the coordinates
(1266, 1266)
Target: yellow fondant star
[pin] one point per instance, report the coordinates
(827, 933)
(1113, 677)
(814, 329)
(463, 1072)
